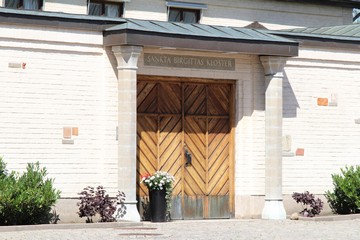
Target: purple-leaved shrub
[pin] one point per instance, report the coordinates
(93, 202)
(311, 206)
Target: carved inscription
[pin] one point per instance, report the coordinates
(177, 61)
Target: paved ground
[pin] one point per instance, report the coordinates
(206, 229)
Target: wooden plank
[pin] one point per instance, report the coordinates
(195, 131)
(158, 128)
(206, 199)
(170, 135)
(220, 82)
(147, 98)
(193, 187)
(232, 152)
(218, 162)
(219, 179)
(218, 128)
(182, 150)
(177, 115)
(219, 142)
(196, 141)
(220, 153)
(170, 149)
(159, 115)
(218, 100)
(198, 174)
(222, 160)
(146, 144)
(170, 98)
(225, 189)
(195, 99)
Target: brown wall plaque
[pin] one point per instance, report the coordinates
(179, 61)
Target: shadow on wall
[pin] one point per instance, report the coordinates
(112, 60)
(290, 103)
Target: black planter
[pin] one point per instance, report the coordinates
(157, 205)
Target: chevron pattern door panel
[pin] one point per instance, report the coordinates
(178, 116)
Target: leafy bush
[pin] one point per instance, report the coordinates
(98, 202)
(26, 198)
(345, 198)
(306, 198)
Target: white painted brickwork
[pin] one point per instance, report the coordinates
(328, 134)
(63, 84)
(228, 12)
(146, 10)
(242, 13)
(66, 6)
(288, 15)
(250, 131)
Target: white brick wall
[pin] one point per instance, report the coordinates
(146, 10)
(250, 131)
(66, 6)
(272, 14)
(66, 83)
(328, 134)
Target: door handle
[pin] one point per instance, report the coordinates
(188, 156)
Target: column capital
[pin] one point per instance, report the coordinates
(273, 64)
(127, 56)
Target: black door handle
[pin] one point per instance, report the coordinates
(188, 156)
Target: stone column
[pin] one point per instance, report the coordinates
(127, 58)
(274, 67)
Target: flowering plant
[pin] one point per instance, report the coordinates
(158, 181)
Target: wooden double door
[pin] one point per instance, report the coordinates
(184, 127)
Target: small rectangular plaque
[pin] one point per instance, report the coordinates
(180, 61)
(14, 65)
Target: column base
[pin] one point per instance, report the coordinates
(273, 209)
(132, 213)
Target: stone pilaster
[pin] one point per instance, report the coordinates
(127, 58)
(274, 67)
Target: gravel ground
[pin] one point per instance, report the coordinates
(204, 229)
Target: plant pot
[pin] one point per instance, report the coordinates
(157, 205)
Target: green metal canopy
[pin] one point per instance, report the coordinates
(344, 33)
(198, 37)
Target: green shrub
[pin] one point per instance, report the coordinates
(345, 198)
(26, 198)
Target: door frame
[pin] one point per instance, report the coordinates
(232, 83)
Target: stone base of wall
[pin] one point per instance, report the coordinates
(247, 207)
(67, 210)
(252, 206)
